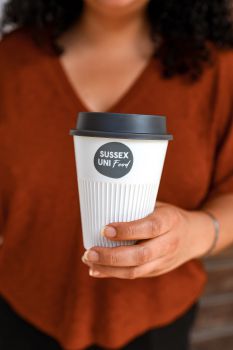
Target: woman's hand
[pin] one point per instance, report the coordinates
(167, 238)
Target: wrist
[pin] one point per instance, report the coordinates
(202, 233)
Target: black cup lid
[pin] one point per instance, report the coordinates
(125, 126)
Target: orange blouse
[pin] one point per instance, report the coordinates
(41, 273)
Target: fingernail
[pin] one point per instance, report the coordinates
(91, 255)
(109, 231)
(94, 273)
(85, 261)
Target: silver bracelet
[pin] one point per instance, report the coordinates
(216, 231)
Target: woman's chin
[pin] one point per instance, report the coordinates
(116, 3)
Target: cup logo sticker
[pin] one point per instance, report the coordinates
(113, 159)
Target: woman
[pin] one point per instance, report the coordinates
(126, 56)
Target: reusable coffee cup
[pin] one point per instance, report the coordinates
(119, 160)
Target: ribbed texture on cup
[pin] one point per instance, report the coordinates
(106, 202)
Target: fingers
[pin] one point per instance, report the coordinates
(152, 269)
(147, 270)
(159, 222)
(135, 255)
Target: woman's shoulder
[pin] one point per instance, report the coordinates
(17, 50)
(224, 61)
(218, 75)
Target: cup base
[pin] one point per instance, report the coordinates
(103, 203)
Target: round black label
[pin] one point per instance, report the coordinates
(113, 159)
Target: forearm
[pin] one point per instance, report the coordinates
(222, 208)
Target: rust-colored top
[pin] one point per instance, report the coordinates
(41, 274)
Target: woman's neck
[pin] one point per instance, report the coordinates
(100, 30)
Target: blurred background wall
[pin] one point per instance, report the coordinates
(1, 2)
(1, 5)
(214, 326)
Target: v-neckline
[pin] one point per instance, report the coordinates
(119, 104)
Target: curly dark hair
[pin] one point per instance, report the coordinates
(186, 29)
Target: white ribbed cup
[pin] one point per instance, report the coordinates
(104, 200)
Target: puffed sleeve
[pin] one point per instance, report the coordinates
(222, 178)
(222, 166)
